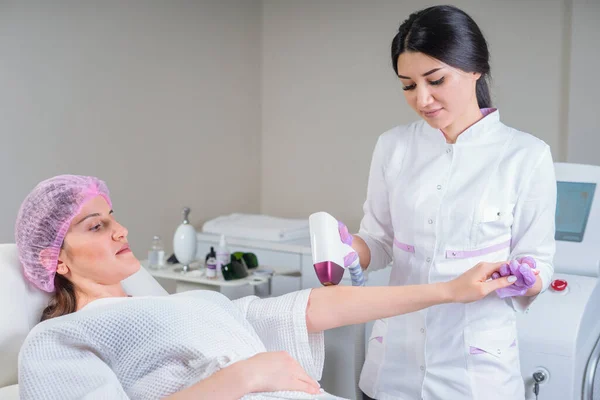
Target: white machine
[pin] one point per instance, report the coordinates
(559, 334)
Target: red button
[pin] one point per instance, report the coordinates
(559, 285)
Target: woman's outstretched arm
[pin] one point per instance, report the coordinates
(334, 306)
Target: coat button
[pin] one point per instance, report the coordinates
(422, 368)
(499, 351)
(422, 330)
(430, 221)
(448, 151)
(428, 259)
(439, 187)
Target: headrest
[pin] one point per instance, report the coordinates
(21, 306)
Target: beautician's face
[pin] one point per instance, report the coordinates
(95, 247)
(440, 94)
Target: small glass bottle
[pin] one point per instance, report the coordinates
(211, 268)
(156, 254)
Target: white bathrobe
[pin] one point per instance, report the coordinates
(151, 347)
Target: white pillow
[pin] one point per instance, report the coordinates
(21, 306)
(9, 392)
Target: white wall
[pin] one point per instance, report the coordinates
(252, 105)
(159, 99)
(329, 90)
(584, 83)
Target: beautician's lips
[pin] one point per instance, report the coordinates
(124, 249)
(431, 113)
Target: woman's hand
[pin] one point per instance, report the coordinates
(476, 283)
(265, 372)
(275, 371)
(527, 283)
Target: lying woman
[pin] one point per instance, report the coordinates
(95, 341)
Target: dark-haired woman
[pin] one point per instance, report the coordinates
(456, 188)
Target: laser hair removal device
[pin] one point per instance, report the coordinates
(328, 251)
(328, 254)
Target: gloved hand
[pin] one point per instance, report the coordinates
(524, 270)
(351, 259)
(347, 238)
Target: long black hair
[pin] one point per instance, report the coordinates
(450, 35)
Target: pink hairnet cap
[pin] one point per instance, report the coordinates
(44, 219)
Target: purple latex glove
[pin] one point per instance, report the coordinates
(523, 270)
(346, 238)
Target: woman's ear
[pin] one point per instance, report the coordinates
(62, 267)
(476, 75)
(47, 260)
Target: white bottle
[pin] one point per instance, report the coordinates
(223, 255)
(156, 254)
(184, 243)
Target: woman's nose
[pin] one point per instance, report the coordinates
(424, 97)
(120, 232)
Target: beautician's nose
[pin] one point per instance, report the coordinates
(424, 97)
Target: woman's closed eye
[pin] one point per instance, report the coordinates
(438, 82)
(433, 83)
(99, 224)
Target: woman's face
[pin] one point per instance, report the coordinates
(95, 250)
(440, 94)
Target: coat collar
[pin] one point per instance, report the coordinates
(490, 120)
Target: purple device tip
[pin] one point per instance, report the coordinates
(329, 273)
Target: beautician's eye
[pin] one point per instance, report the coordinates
(409, 87)
(438, 82)
(95, 227)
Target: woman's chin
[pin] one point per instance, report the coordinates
(437, 124)
(131, 265)
(135, 265)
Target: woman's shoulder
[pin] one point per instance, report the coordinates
(56, 331)
(393, 143)
(398, 132)
(397, 138)
(524, 141)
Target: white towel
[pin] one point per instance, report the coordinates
(256, 226)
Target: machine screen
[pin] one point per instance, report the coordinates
(573, 204)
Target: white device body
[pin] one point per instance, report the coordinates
(325, 242)
(559, 333)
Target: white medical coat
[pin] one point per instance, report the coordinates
(437, 209)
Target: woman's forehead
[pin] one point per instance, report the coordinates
(413, 64)
(96, 205)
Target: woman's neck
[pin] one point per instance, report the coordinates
(470, 117)
(85, 294)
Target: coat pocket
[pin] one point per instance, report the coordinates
(494, 221)
(377, 339)
(375, 352)
(495, 213)
(405, 270)
(493, 362)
